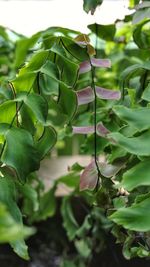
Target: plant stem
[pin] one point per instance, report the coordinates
(95, 121)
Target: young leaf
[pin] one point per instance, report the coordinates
(82, 39)
(107, 94)
(84, 67)
(89, 177)
(101, 130)
(83, 129)
(109, 170)
(100, 63)
(85, 96)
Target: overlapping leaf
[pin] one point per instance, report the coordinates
(19, 152)
(139, 118)
(136, 145)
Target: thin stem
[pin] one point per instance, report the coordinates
(95, 120)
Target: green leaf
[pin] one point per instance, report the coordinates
(67, 96)
(137, 176)
(68, 68)
(50, 69)
(20, 153)
(47, 141)
(136, 217)
(7, 111)
(20, 248)
(36, 62)
(47, 205)
(74, 49)
(24, 82)
(71, 179)
(48, 85)
(10, 230)
(30, 198)
(132, 3)
(105, 32)
(146, 93)
(91, 5)
(139, 118)
(38, 105)
(135, 145)
(69, 221)
(22, 47)
(140, 16)
(141, 34)
(83, 248)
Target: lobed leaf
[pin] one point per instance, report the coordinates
(134, 218)
(137, 176)
(136, 145)
(20, 153)
(139, 118)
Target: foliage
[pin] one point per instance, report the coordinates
(58, 84)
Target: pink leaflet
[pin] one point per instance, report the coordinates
(102, 130)
(84, 67)
(89, 176)
(83, 129)
(85, 96)
(84, 43)
(102, 63)
(109, 170)
(104, 93)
